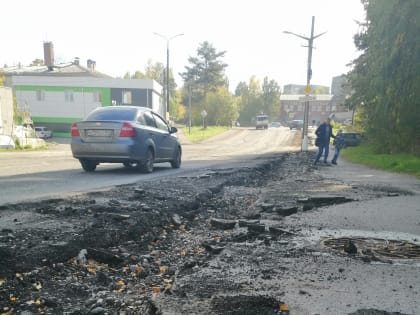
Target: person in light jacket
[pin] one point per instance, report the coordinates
(338, 145)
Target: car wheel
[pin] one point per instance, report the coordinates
(147, 165)
(88, 166)
(176, 162)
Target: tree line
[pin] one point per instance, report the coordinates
(206, 88)
(385, 79)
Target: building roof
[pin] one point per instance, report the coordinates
(84, 81)
(60, 70)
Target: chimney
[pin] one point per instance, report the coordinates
(91, 64)
(76, 61)
(49, 55)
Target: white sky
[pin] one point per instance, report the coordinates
(119, 35)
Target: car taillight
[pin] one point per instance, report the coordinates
(74, 130)
(127, 130)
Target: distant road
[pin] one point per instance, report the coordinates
(26, 176)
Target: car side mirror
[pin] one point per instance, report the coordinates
(173, 130)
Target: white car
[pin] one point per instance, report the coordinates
(43, 132)
(261, 122)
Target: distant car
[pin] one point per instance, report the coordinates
(43, 132)
(296, 124)
(275, 124)
(135, 136)
(261, 121)
(351, 139)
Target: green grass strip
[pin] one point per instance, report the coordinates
(200, 134)
(400, 163)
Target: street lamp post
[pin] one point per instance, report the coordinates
(308, 82)
(168, 39)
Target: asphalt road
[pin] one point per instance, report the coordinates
(55, 173)
(314, 280)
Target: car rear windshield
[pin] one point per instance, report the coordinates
(127, 114)
(260, 118)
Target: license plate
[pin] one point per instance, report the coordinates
(99, 133)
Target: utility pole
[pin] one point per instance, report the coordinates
(308, 82)
(189, 108)
(167, 67)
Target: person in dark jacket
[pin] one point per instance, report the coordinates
(338, 145)
(324, 134)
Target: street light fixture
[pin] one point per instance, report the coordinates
(308, 82)
(168, 39)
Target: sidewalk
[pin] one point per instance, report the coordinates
(356, 173)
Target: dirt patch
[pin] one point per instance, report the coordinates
(154, 247)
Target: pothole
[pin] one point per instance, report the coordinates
(245, 305)
(375, 249)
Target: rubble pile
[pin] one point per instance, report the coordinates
(203, 244)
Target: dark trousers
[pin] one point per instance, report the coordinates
(336, 154)
(323, 148)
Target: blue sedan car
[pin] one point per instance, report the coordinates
(134, 136)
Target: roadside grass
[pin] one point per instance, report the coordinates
(25, 148)
(199, 134)
(400, 163)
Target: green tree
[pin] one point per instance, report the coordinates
(127, 76)
(250, 101)
(157, 71)
(386, 76)
(37, 62)
(254, 99)
(206, 70)
(319, 90)
(2, 79)
(221, 107)
(176, 109)
(205, 73)
(271, 98)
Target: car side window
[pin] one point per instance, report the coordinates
(141, 120)
(150, 122)
(161, 124)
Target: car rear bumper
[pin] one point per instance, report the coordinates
(106, 152)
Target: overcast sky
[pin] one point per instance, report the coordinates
(119, 35)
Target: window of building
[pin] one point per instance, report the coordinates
(68, 96)
(126, 97)
(40, 95)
